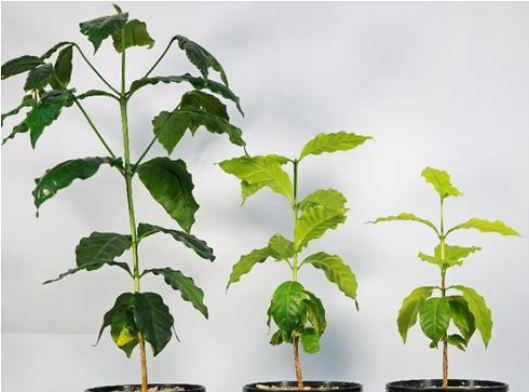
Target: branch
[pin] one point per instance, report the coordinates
(94, 69)
(160, 58)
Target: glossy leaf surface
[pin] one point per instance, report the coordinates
(288, 306)
(434, 318)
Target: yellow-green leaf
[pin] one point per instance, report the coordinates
(331, 142)
(486, 226)
(434, 317)
(246, 263)
(480, 311)
(314, 222)
(280, 248)
(410, 309)
(440, 180)
(329, 198)
(406, 216)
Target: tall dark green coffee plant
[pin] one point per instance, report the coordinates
(298, 314)
(136, 316)
(467, 310)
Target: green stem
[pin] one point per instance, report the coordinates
(94, 69)
(442, 238)
(295, 266)
(140, 159)
(160, 58)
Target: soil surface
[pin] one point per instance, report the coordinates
(265, 387)
(154, 389)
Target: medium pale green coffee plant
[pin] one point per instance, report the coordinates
(468, 311)
(136, 316)
(298, 314)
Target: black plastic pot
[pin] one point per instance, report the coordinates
(322, 386)
(132, 388)
(453, 386)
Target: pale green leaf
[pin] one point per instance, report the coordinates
(406, 216)
(246, 263)
(410, 309)
(486, 226)
(310, 341)
(480, 311)
(280, 248)
(329, 198)
(440, 180)
(314, 222)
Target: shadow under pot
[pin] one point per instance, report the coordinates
(152, 388)
(292, 386)
(453, 386)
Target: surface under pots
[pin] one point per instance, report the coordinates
(290, 386)
(152, 388)
(453, 386)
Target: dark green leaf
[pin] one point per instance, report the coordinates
(39, 77)
(62, 175)
(280, 248)
(200, 58)
(310, 340)
(179, 282)
(331, 142)
(288, 306)
(27, 101)
(457, 341)
(197, 83)
(20, 65)
(91, 267)
(136, 34)
(199, 100)
(198, 246)
(62, 70)
(54, 49)
(410, 309)
(434, 318)
(480, 311)
(171, 185)
(462, 316)
(315, 313)
(277, 338)
(99, 247)
(440, 180)
(100, 29)
(246, 263)
(23, 127)
(94, 93)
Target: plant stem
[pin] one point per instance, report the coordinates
(94, 69)
(443, 294)
(160, 58)
(295, 267)
(130, 203)
(140, 159)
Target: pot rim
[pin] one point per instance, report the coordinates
(429, 384)
(123, 387)
(332, 385)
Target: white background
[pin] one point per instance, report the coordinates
(439, 84)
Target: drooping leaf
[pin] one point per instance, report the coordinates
(457, 341)
(100, 29)
(199, 100)
(153, 320)
(20, 65)
(280, 248)
(260, 171)
(331, 142)
(171, 185)
(462, 316)
(94, 93)
(23, 127)
(197, 83)
(185, 285)
(486, 226)
(440, 180)
(201, 58)
(314, 222)
(200, 247)
(248, 190)
(336, 271)
(310, 341)
(38, 77)
(99, 247)
(329, 198)
(410, 309)
(62, 70)
(406, 216)
(288, 306)
(135, 33)
(453, 255)
(91, 267)
(55, 48)
(246, 263)
(315, 313)
(46, 112)
(480, 311)
(434, 318)
(62, 175)
(277, 338)
(27, 101)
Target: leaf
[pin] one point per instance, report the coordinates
(405, 216)
(486, 226)
(19, 128)
(310, 340)
(62, 70)
(480, 311)
(260, 171)
(94, 93)
(47, 111)
(136, 34)
(314, 222)
(331, 142)
(197, 83)
(410, 309)
(329, 198)
(153, 320)
(200, 247)
(185, 285)
(280, 248)
(336, 271)
(62, 175)
(171, 185)
(100, 29)
(20, 65)
(277, 338)
(201, 58)
(54, 49)
(248, 190)
(288, 306)
(454, 255)
(457, 341)
(99, 247)
(434, 318)
(38, 77)
(462, 316)
(315, 313)
(91, 267)
(199, 100)
(27, 101)
(246, 263)
(440, 181)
